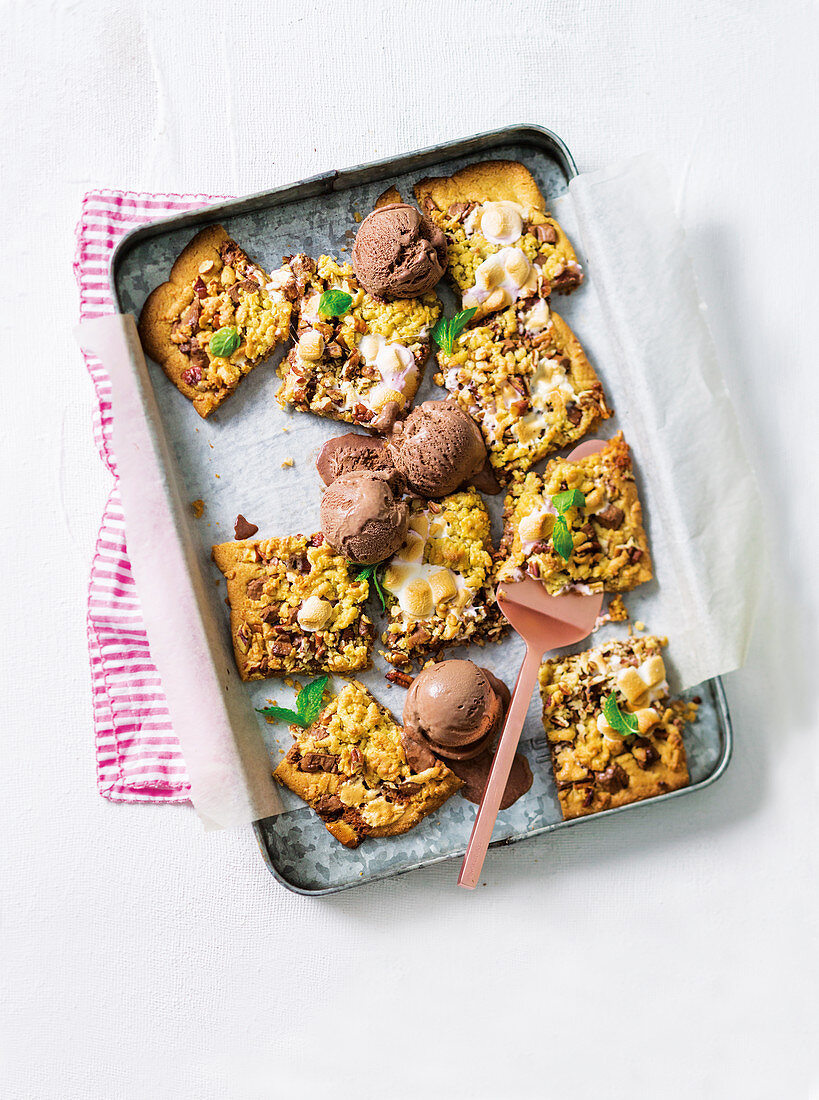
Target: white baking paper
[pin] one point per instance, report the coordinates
(228, 765)
(642, 322)
(640, 319)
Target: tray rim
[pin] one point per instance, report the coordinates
(343, 179)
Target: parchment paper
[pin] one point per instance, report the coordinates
(640, 319)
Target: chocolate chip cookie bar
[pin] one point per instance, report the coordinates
(217, 317)
(502, 243)
(295, 606)
(597, 767)
(522, 375)
(438, 585)
(364, 365)
(609, 546)
(350, 766)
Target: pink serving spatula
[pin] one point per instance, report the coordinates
(544, 622)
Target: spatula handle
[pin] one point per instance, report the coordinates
(501, 766)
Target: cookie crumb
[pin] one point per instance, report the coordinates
(356, 216)
(288, 462)
(617, 610)
(198, 508)
(639, 625)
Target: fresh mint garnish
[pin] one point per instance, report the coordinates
(333, 303)
(625, 724)
(447, 331)
(370, 573)
(224, 342)
(571, 498)
(308, 702)
(562, 538)
(561, 535)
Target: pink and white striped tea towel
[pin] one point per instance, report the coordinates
(138, 755)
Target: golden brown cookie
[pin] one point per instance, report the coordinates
(363, 365)
(525, 379)
(502, 243)
(610, 549)
(350, 766)
(596, 766)
(214, 288)
(295, 606)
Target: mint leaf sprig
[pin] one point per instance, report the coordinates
(561, 535)
(334, 303)
(447, 331)
(370, 573)
(224, 342)
(624, 724)
(308, 702)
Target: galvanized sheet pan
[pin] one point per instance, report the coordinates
(315, 216)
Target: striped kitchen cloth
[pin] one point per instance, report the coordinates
(138, 755)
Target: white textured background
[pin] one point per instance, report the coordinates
(667, 953)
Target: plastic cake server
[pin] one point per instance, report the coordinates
(544, 622)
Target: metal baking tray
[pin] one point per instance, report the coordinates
(319, 215)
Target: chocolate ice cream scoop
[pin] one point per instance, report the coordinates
(351, 452)
(454, 708)
(399, 252)
(438, 448)
(362, 518)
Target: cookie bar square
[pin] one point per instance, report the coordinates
(524, 378)
(610, 547)
(295, 606)
(595, 767)
(350, 766)
(438, 585)
(363, 367)
(502, 243)
(214, 286)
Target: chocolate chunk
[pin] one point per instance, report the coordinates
(574, 414)
(613, 779)
(402, 793)
(354, 819)
(546, 234)
(541, 259)
(329, 807)
(588, 797)
(293, 755)
(419, 757)
(644, 752)
(457, 210)
(200, 289)
(634, 554)
(250, 286)
(199, 357)
(235, 293)
(302, 265)
(567, 279)
(319, 762)
(281, 648)
(255, 589)
(611, 517)
(270, 614)
(242, 529)
(192, 314)
(301, 563)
